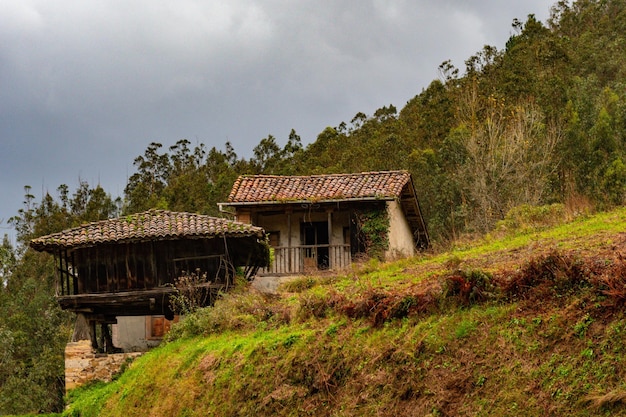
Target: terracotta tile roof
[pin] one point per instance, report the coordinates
(149, 225)
(272, 188)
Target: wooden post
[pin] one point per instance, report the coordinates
(60, 276)
(108, 270)
(97, 271)
(108, 340)
(92, 334)
(74, 275)
(330, 237)
(150, 282)
(67, 276)
(289, 252)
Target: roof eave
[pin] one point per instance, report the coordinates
(56, 247)
(312, 201)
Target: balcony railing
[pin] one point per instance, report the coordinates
(308, 258)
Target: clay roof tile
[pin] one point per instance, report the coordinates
(272, 188)
(152, 224)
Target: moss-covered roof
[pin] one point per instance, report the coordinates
(149, 225)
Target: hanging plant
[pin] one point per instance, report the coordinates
(373, 231)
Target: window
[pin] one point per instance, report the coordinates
(158, 326)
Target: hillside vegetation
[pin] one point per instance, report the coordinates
(540, 123)
(528, 322)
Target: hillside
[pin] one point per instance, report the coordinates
(528, 321)
(540, 122)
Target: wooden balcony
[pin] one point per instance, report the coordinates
(308, 258)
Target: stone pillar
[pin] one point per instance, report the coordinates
(81, 328)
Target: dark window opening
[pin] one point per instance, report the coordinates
(274, 239)
(315, 237)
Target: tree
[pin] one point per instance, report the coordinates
(509, 155)
(145, 187)
(267, 156)
(291, 155)
(8, 261)
(188, 184)
(34, 329)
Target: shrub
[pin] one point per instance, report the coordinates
(554, 272)
(312, 305)
(470, 286)
(527, 217)
(373, 227)
(299, 284)
(233, 311)
(190, 292)
(612, 283)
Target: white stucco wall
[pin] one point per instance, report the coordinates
(279, 223)
(400, 236)
(129, 334)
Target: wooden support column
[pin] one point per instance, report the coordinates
(65, 276)
(102, 343)
(329, 212)
(96, 274)
(93, 334)
(75, 281)
(60, 276)
(108, 340)
(289, 253)
(150, 282)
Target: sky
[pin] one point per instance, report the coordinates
(87, 85)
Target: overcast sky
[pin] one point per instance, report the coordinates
(86, 85)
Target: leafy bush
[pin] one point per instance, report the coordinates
(373, 227)
(313, 305)
(527, 217)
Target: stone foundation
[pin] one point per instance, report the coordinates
(82, 364)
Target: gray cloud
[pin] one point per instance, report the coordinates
(85, 86)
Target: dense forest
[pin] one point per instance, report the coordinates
(542, 121)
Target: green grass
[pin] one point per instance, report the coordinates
(35, 415)
(476, 354)
(551, 353)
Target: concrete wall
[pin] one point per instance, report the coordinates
(134, 334)
(401, 243)
(82, 364)
(278, 222)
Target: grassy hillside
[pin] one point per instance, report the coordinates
(526, 322)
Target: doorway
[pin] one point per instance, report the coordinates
(315, 238)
